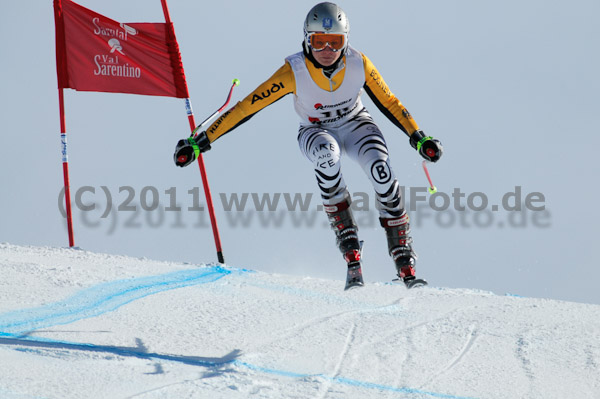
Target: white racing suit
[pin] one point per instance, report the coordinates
(333, 123)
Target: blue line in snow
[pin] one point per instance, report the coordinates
(414, 391)
(350, 382)
(103, 298)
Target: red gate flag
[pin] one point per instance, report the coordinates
(96, 53)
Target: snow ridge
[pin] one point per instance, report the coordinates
(74, 323)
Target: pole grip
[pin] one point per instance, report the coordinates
(235, 82)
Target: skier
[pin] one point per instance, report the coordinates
(327, 79)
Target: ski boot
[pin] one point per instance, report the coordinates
(342, 222)
(400, 248)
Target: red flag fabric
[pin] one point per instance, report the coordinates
(96, 53)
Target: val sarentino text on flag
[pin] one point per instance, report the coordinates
(96, 53)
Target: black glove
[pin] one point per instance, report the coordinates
(429, 148)
(187, 150)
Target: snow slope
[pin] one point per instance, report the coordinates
(75, 324)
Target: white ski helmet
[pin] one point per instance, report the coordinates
(326, 18)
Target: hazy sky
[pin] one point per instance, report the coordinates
(511, 89)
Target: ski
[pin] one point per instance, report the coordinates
(413, 283)
(354, 277)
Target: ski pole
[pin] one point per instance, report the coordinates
(234, 83)
(208, 195)
(432, 189)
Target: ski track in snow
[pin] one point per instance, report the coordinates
(469, 341)
(521, 352)
(406, 362)
(590, 360)
(16, 326)
(295, 330)
(336, 372)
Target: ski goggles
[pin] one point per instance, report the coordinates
(318, 41)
